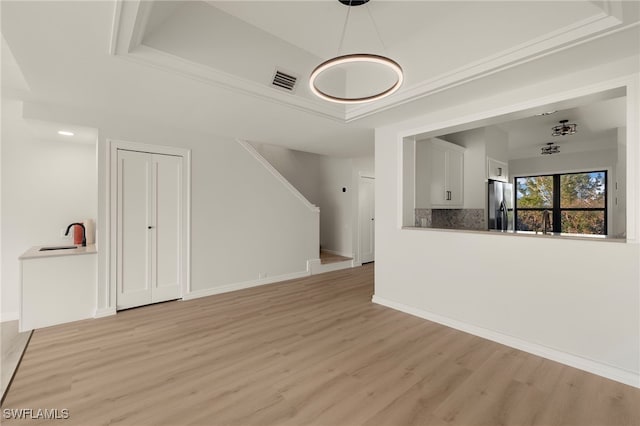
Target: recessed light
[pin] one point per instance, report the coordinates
(545, 113)
(65, 133)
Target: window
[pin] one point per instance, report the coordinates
(577, 202)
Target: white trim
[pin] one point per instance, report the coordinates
(522, 107)
(149, 56)
(315, 266)
(9, 316)
(130, 21)
(140, 26)
(104, 312)
(619, 375)
(246, 145)
(115, 27)
(496, 63)
(244, 285)
(128, 27)
(112, 176)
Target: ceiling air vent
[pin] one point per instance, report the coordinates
(284, 81)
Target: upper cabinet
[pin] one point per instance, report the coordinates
(497, 170)
(447, 174)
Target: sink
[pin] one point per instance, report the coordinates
(57, 248)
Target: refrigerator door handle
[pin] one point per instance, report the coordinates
(503, 216)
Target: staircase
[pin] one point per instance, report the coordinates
(329, 261)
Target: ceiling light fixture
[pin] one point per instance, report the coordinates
(356, 58)
(65, 133)
(564, 129)
(550, 148)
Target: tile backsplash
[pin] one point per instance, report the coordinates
(423, 218)
(451, 218)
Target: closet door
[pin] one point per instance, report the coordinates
(149, 226)
(133, 263)
(166, 227)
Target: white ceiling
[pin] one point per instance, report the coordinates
(206, 66)
(596, 129)
(598, 117)
(48, 131)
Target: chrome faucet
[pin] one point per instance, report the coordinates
(546, 221)
(84, 233)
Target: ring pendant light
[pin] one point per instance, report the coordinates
(356, 58)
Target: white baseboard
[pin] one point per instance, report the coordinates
(619, 375)
(316, 267)
(104, 312)
(9, 316)
(242, 285)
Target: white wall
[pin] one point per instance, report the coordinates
(578, 161)
(579, 303)
(245, 223)
(46, 185)
(497, 143)
(320, 179)
(301, 169)
(336, 207)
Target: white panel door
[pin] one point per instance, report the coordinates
(133, 263)
(149, 226)
(367, 219)
(167, 225)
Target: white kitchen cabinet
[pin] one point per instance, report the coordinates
(497, 170)
(447, 174)
(57, 286)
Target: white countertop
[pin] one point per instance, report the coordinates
(531, 234)
(35, 253)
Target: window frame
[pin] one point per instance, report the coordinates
(556, 208)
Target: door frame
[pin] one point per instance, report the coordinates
(185, 267)
(362, 176)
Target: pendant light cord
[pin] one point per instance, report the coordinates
(384, 48)
(344, 28)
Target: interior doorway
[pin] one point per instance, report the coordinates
(149, 235)
(366, 218)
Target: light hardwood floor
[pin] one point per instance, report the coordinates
(326, 257)
(13, 344)
(307, 351)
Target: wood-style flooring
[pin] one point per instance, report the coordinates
(308, 351)
(326, 257)
(13, 344)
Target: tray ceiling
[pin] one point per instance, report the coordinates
(241, 44)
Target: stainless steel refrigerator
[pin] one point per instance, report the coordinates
(500, 205)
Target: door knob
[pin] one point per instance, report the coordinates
(149, 227)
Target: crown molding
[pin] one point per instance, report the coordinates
(129, 22)
(596, 26)
(131, 16)
(168, 62)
